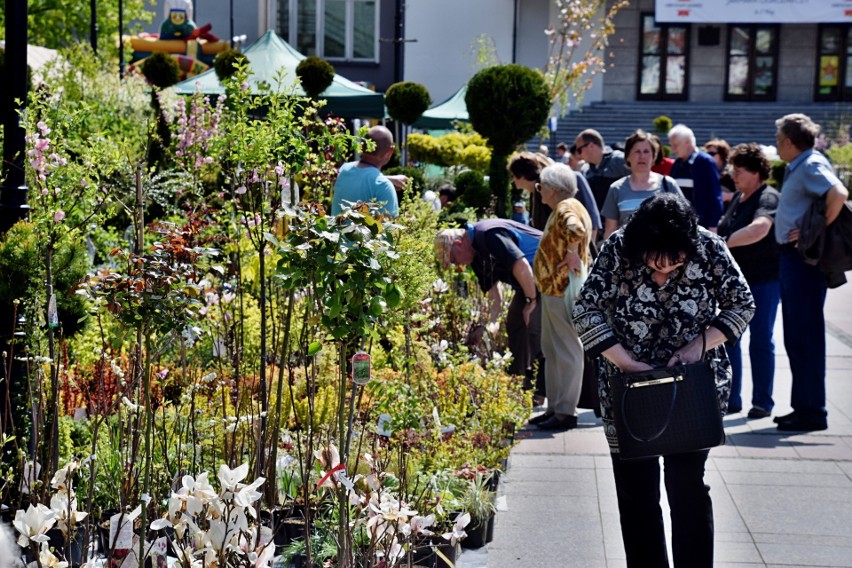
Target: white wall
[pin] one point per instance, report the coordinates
(443, 57)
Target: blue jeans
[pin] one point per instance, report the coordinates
(761, 348)
(803, 290)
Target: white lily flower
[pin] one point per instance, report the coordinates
(48, 560)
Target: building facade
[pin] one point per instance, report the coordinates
(724, 50)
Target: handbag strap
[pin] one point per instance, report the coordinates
(665, 424)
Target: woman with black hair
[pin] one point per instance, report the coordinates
(661, 289)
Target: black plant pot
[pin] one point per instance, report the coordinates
(450, 551)
(423, 556)
(489, 529)
(475, 536)
(74, 555)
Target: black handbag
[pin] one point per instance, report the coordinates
(667, 410)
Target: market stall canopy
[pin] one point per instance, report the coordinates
(442, 116)
(269, 54)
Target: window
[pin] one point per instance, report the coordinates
(752, 63)
(834, 64)
(343, 30)
(664, 60)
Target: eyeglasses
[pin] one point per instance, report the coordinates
(580, 148)
(713, 152)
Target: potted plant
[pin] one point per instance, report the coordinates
(478, 501)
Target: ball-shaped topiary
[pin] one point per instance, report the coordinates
(161, 70)
(225, 64)
(507, 105)
(662, 124)
(407, 101)
(315, 75)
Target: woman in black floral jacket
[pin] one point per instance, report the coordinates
(657, 286)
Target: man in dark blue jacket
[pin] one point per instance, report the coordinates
(697, 175)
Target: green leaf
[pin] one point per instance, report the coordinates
(314, 348)
(393, 295)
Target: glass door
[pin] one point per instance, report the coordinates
(664, 60)
(834, 62)
(752, 63)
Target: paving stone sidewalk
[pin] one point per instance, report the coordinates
(780, 499)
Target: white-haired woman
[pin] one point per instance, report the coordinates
(564, 246)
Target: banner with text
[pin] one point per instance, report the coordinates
(754, 11)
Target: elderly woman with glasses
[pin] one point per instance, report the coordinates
(564, 246)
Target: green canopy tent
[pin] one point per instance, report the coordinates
(269, 54)
(442, 116)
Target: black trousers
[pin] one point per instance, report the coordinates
(525, 343)
(637, 484)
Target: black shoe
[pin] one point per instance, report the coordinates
(802, 425)
(786, 418)
(757, 412)
(734, 409)
(540, 418)
(556, 424)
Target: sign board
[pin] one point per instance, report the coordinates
(754, 11)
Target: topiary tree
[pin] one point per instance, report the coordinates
(315, 74)
(507, 104)
(406, 102)
(161, 70)
(662, 125)
(227, 62)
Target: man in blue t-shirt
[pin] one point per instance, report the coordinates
(500, 250)
(803, 286)
(364, 181)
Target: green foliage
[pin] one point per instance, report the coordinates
(776, 176)
(227, 62)
(662, 125)
(161, 70)
(407, 101)
(102, 104)
(473, 191)
(315, 75)
(508, 104)
(453, 149)
(841, 155)
(417, 181)
(61, 23)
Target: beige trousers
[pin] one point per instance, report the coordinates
(563, 354)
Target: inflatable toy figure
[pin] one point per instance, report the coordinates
(178, 22)
(194, 48)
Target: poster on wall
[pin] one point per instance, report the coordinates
(754, 11)
(828, 66)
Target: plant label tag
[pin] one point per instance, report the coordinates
(121, 524)
(361, 368)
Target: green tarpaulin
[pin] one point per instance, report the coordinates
(442, 116)
(269, 54)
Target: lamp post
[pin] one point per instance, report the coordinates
(93, 24)
(13, 198)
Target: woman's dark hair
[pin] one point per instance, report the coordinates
(641, 136)
(660, 152)
(751, 158)
(663, 228)
(528, 165)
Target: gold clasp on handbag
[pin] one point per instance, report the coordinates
(654, 382)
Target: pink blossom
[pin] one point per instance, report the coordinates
(240, 190)
(44, 191)
(58, 216)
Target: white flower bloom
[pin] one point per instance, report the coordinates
(230, 478)
(33, 523)
(458, 529)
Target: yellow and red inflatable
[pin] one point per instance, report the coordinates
(194, 48)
